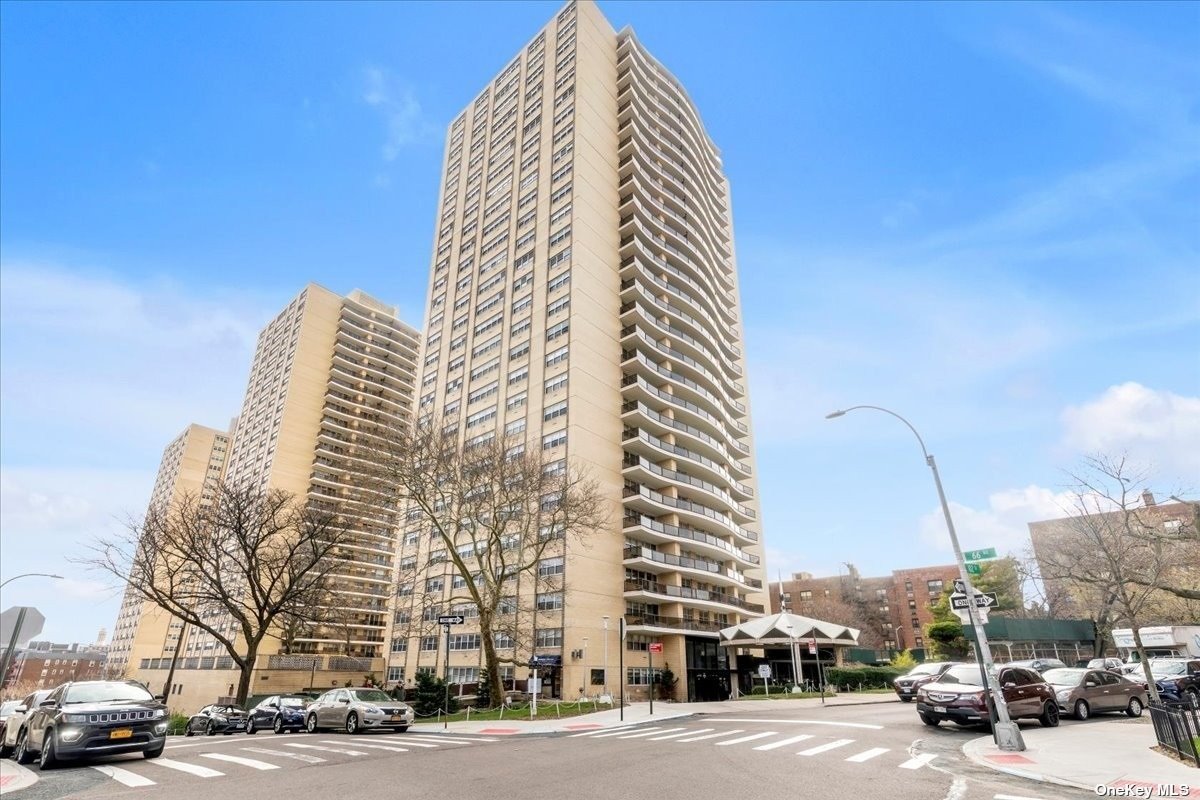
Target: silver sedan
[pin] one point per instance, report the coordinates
(357, 710)
(1083, 692)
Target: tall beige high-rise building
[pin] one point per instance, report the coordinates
(327, 371)
(192, 464)
(584, 295)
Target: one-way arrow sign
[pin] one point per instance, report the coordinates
(451, 619)
(982, 600)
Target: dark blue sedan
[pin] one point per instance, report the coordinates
(281, 712)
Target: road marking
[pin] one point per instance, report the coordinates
(622, 731)
(711, 735)
(803, 722)
(677, 735)
(784, 742)
(191, 769)
(916, 762)
(958, 789)
(382, 747)
(602, 730)
(651, 733)
(245, 762)
(821, 748)
(124, 776)
(436, 737)
(867, 755)
(749, 738)
(325, 749)
(283, 754)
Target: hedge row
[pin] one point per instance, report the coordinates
(863, 677)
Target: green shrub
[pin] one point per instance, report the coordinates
(863, 677)
(903, 660)
(776, 688)
(176, 724)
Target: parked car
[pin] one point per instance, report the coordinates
(93, 718)
(214, 719)
(959, 695)
(357, 710)
(1177, 679)
(281, 712)
(6, 710)
(15, 723)
(1083, 692)
(907, 684)
(1038, 664)
(1110, 664)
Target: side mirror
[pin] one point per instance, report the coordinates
(46, 704)
(20, 710)
(1009, 685)
(272, 705)
(160, 698)
(1090, 684)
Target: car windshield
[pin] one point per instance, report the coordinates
(106, 693)
(371, 696)
(291, 702)
(7, 708)
(965, 673)
(925, 669)
(1064, 677)
(228, 710)
(1158, 668)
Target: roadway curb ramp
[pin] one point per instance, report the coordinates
(13, 776)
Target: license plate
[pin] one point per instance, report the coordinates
(121, 733)
(940, 709)
(397, 718)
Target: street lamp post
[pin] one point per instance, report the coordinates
(792, 644)
(12, 643)
(606, 655)
(1007, 733)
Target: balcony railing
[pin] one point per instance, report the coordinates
(683, 532)
(688, 593)
(674, 623)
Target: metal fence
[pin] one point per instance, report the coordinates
(1177, 728)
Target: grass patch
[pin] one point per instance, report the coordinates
(545, 710)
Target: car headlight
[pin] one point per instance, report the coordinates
(159, 713)
(373, 709)
(76, 718)
(69, 734)
(1063, 694)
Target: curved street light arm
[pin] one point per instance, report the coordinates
(30, 575)
(921, 441)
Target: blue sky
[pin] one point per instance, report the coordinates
(981, 216)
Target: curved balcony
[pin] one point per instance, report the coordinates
(646, 529)
(639, 415)
(653, 590)
(635, 387)
(646, 500)
(640, 442)
(636, 361)
(644, 559)
(696, 349)
(632, 336)
(656, 623)
(647, 472)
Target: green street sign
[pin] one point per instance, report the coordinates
(975, 569)
(980, 555)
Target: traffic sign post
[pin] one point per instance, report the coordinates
(446, 620)
(655, 647)
(764, 672)
(621, 662)
(973, 568)
(982, 600)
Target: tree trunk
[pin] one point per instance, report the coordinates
(1141, 651)
(490, 660)
(247, 665)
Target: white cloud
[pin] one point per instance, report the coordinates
(1002, 525)
(1158, 428)
(397, 103)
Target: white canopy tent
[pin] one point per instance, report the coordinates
(785, 629)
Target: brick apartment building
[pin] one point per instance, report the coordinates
(892, 611)
(45, 668)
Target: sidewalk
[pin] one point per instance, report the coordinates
(636, 713)
(1104, 752)
(13, 776)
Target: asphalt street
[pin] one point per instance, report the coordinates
(877, 751)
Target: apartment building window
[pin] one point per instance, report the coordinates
(519, 351)
(558, 258)
(518, 375)
(557, 331)
(935, 586)
(399, 645)
(434, 585)
(554, 384)
(483, 348)
(514, 428)
(806, 594)
(515, 401)
(548, 637)
(558, 356)
(483, 392)
(481, 417)
(523, 281)
(637, 642)
(395, 675)
(503, 641)
(553, 440)
(550, 601)
(555, 411)
(560, 173)
(429, 644)
(527, 239)
(561, 236)
(560, 215)
(640, 676)
(404, 590)
(451, 409)
(485, 369)
(464, 641)
(523, 304)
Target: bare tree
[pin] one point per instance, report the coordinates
(1108, 550)
(494, 513)
(237, 567)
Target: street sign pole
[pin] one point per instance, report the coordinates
(820, 669)
(12, 647)
(651, 654)
(621, 663)
(446, 680)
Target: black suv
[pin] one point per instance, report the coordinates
(94, 718)
(1178, 679)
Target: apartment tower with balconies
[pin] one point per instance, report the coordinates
(584, 297)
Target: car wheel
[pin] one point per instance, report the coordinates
(905, 699)
(277, 725)
(187, 729)
(1082, 711)
(250, 729)
(23, 756)
(929, 720)
(311, 723)
(1135, 707)
(46, 758)
(1049, 717)
(352, 723)
(5, 750)
(1192, 698)
(209, 729)
(156, 752)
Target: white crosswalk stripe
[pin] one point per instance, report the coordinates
(916, 762)
(650, 733)
(600, 731)
(381, 747)
(709, 736)
(305, 757)
(784, 742)
(867, 755)
(253, 763)
(434, 737)
(749, 738)
(822, 748)
(677, 735)
(182, 766)
(131, 779)
(341, 750)
(620, 731)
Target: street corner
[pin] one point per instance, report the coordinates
(13, 777)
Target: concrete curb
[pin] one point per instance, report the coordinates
(13, 777)
(1016, 772)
